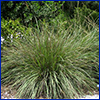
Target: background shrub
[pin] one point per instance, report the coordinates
(12, 29)
(28, 11)
(84, 12)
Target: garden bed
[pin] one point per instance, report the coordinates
(8, 93)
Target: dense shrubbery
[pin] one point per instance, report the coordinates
(69, 6)
(28, 10)
(84, 12)
(13, 27)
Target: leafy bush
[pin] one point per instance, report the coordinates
(28, 10)
(12, 27)
(51, 65)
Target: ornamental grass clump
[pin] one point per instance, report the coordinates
(52, 65)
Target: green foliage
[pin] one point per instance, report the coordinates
(93, 5)
(85, 12)
(69, 6)
(12, 27)
(9, 27)
(52, 65)
(28, 10)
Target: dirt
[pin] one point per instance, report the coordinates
(8, 93)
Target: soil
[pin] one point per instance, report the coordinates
(8, 93)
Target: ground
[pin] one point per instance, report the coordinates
(8, 93)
